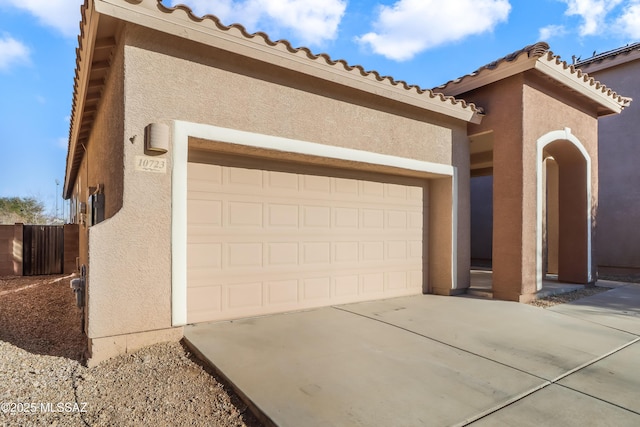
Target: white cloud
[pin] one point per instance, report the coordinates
(62, 15)
(629, 21)
(311, 21)
(593, 14)
(62, 143)
(551, 31)
(409, 27)
(12, 52)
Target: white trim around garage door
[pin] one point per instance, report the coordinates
(182, 131)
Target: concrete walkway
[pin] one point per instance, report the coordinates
(438, 361)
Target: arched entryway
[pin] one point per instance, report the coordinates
(564, 216)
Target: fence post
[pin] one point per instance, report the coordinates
(17, 249)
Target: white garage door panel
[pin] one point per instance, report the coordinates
(263, 241)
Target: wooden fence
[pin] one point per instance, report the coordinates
(42, 249)
(30, 250)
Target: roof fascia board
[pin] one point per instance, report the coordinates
(487, 77)
(279, 56)
(558, 73)
(84, 65)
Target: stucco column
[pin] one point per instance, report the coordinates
(441, 262)
(514, 218)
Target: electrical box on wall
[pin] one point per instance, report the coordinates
(97, 208)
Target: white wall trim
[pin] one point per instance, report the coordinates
(542, 142)
(179, 227)
(182, 131)
(454, 229)
(286, 145)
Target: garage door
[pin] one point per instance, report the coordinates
(266, 238)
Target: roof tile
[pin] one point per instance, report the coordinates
(624, 50)
(285, 44)
(539, 50)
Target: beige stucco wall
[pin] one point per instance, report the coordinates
(204, 85)
(503, 102)
(546, 111)
(520, 110)
(618, 237)
(11, 249)
(165, 79)
(105, 142)
(6, 250)
(129, 276)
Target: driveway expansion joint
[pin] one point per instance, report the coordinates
(525, 394)
(441, 342)
(555, 382)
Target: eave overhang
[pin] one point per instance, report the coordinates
(610, 59)
(569, 76)
(93, 61)
(77, 133)
(538, 57)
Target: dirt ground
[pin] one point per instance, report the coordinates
(41, 367)
(552, 300)
(39, 315)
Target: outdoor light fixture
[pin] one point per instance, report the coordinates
(156, 138)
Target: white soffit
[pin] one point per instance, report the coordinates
(589, 89)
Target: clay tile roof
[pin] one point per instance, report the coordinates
(532, 51)
(587, 80)
(90, 74)
(321, 57)
(625, 50)
(542, 52)
(74, 158)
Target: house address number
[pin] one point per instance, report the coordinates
(151, 164)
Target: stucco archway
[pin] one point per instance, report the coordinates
(574, 206)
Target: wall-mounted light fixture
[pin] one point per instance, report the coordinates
(156, 139)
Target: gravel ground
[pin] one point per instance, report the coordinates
(627, 278)
(552, 300)
(41, 371)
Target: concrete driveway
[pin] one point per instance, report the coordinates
(440, 361)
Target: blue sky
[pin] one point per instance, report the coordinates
(423, 42)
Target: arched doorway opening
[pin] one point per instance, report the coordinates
(550, 218)
(564, 215)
